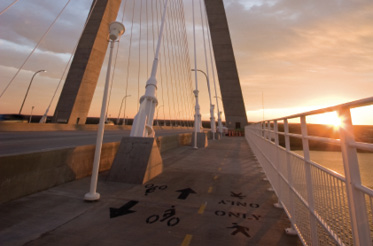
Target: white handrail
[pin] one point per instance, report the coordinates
(338, 206)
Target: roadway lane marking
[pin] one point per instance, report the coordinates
(216, 177)
(219, 169)
(210, 189)
(202, 208)
(187, 240)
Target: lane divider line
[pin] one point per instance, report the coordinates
(202, 208)
(187, 240)
(216, 177)
(210, 189)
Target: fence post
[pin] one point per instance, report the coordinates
(290, 230)
(277, 165)
(356, 199)
(311, 203)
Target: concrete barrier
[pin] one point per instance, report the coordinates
(24, 174)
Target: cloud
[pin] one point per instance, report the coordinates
(295, 51)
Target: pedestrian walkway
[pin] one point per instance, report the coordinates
(213, 196)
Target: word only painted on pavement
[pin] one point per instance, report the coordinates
(238, 203)
(238, 215)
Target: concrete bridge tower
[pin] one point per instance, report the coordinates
(234, 106)
(81, 81)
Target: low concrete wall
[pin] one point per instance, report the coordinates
(25, 174)
(34, 127)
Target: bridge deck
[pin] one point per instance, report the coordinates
(230, 206)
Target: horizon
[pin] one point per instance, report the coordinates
(291, 57)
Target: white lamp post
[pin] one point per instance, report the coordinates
(116, 30)
(120, 108)
(28, 88)
(157, 114)
(32, 109)
(212, 118)
(220, 124)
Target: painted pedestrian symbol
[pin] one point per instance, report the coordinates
(239, 195)
(167, 215)
(239, 228)
(150, 188)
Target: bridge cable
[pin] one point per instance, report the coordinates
(188, 64)
(179, 65)
(160, 64)
(10, 5)
(129, 58)
(114, 66)
(212, 62)
(139, 64)
(32, 52)
(68, 64)
(166, 72)
(185, 67)
(174, 61)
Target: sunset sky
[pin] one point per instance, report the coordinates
(292, 56)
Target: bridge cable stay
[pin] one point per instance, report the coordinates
(187, 61)
(68, 64)
(213, 68)
(165, 66)
(197, 116)
(176, 16)
(128, 61)
(169, 67)
(212, 119)
(33, 50)
(139, 57)
(143, 121)
(115, 66)
(178, 54)
(187, 74)
(10, 5)
(160, 65)
(171, 61)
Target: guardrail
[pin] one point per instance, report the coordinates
(324, 207)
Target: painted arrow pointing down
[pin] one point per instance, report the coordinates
(185, 193)
(125, 209)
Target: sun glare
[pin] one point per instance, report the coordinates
(330, 119)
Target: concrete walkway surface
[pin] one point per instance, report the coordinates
(213, 196)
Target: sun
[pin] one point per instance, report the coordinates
(331, 118)
(336, 121)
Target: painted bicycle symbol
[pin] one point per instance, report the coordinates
(168, 216)
(150, 188)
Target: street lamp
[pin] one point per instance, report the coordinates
(157, 114)
(116, 30)
(28, 88)
(124, 116)
(32, 109)
(220, 124)
(212, 119)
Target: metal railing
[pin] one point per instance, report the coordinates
(324, 207)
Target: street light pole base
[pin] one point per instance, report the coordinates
(90, 197)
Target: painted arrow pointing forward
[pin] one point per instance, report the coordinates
(125, 209)
(185, 193)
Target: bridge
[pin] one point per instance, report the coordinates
(148, 170)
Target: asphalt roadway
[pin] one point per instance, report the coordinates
(12, 143)
(212, 196)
